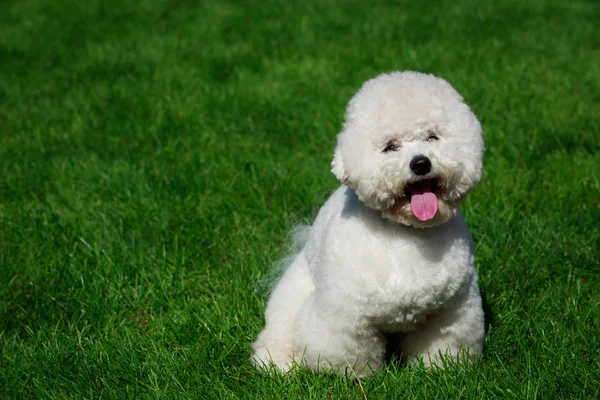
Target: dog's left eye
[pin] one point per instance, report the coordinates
(432, 136)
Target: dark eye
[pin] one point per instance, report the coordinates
(390, 146)
(432, 136)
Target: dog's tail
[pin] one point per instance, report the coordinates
(296, 239)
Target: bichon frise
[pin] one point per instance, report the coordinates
(389, 252)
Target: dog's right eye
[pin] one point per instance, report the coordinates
(390, 147)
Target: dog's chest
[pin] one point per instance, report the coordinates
(391, 275)
(413, 280)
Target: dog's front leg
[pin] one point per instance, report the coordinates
(454, 332)
(334, 339)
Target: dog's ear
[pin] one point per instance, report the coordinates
(337, 166)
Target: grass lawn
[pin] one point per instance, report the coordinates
(155, 153)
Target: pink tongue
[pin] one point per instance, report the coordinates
(423, 203)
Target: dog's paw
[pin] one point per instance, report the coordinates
(279, 357)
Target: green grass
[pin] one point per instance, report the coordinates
(154, 155)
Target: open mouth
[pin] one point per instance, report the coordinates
(422, 198)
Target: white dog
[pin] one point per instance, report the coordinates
(389, 251)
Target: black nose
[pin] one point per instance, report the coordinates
(420, 165)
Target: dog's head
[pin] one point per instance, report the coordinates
(410, 147)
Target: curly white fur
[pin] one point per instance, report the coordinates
(371, 263)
